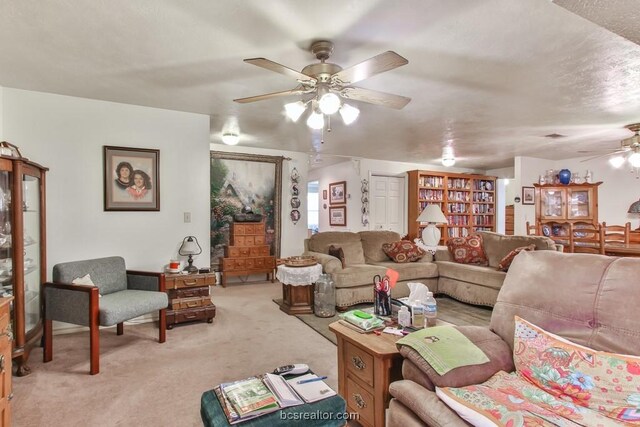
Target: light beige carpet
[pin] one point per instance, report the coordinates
(144, 383)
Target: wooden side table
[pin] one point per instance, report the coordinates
(297, 287)
(189, 297)
(367, 364)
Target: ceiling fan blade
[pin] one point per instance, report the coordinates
(374, 97)
(378, 64)
(279, 68)
(296, 91)
(603, 155)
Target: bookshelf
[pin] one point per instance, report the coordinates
(468, 201)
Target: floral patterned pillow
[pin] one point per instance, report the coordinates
(403, 251)
(608, 383)
(468, 250)
(505, 262)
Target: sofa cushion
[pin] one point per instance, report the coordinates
(497, 245)
(320, 242)
(476, 274)
(372, 242)
(403, 251)
(589, 299)
(353, 254)
(505, 262)
(109, 274)
(117, 307)
(606, 382)
(467, 250)
(412, 270)
(357, 275)
(337, 252)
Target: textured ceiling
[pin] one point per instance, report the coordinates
(490, 77)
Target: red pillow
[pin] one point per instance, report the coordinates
(505, 262)
(403, 251)
(467, 250)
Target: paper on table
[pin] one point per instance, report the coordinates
(313, 391)
(283, 391)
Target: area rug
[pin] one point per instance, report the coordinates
(449, 310)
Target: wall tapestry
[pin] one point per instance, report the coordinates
(242, 183)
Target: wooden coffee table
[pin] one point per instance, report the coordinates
(367, 364)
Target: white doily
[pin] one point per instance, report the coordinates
(299, 276)
(431, 249)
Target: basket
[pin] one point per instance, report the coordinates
(300, 261)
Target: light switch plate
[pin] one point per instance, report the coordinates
(187, 217)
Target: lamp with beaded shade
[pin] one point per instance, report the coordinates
(432, 215)
(634, 208)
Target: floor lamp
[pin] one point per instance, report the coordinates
(432, 215)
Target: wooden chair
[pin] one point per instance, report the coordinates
(585, 238)
(619, 234)
(532, 229)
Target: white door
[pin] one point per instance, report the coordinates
(387, 203)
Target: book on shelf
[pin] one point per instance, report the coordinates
(311, 391)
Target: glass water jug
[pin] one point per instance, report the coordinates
(324, 297)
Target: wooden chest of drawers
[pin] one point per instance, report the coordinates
(6, 338)
(189, 298)
(247, 252)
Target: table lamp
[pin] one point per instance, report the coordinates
(190, 247)
(432, 214)
(635, 208)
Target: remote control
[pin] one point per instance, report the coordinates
(298, 368)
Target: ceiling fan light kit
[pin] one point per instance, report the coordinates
(328, 84)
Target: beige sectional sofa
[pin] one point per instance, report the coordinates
(480, 284)
(364, 259)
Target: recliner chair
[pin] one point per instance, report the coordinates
(118, 295)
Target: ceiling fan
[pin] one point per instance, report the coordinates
(630, 146)
(327, 83)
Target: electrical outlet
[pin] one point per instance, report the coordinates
(187, 217)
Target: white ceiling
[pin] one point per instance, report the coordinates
(490, 76)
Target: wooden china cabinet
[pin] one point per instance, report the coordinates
(558, 205)
(22, 251)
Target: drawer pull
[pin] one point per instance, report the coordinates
(10, 397)
(190, 315)
(2, 363)
(7, 334)
(192, 304)
(360, 403)
(358, 363)
(190, 283)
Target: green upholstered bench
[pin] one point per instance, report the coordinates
(329, 412)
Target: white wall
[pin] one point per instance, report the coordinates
(292, 236)
(354, 171)
(527, 172)
(66, 134)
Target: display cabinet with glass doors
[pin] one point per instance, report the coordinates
(559, 205)
(22, 251)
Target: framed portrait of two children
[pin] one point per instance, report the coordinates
(131, 179)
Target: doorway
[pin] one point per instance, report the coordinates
(388, 203)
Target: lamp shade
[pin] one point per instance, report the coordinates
(432, 213)
(634, 208)
(190, 246)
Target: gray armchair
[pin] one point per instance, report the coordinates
(118, 295)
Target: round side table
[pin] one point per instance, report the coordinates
(297, 287)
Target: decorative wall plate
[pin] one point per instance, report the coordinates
(295, 190)
(295, 202)
(295, 216)
(295, 175)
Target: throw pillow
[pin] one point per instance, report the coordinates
(467, 250)
(505, 263)
(337, 252)
(85, 280)
(605, 382)
(403, 251)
